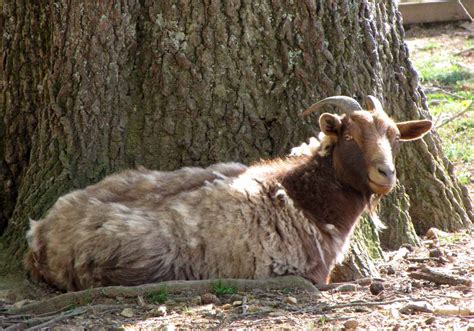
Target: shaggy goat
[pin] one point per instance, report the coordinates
(279, 217)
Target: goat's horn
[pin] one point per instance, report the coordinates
(373, 104)
(346, 104)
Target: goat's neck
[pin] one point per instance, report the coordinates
(324, 199)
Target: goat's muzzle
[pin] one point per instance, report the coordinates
(381, 177)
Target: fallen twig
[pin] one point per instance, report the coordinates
(326, 307)
(413, 308)
(444, 91)
(465, 51)
(43, 322)
(469, 108)
(60, 317)
(453, 311)
(361, 282)
(439, 277)
(421, 259)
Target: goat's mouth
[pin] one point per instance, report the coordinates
(379, 188)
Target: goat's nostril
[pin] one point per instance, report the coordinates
(385, 171)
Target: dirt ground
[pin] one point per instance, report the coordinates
(427, 287)
(450, 37)
(403, 298)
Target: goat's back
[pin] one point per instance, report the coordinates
(136, 228)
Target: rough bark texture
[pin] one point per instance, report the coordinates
(88, 89)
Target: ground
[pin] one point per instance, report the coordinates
(398, 300)
(427, 287)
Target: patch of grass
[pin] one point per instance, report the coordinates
(457, 136)
(464, 177)
(322, 320)
(438, 69)
(159, 296)
(430, 46)
(442, 71)
(188, 311)
(451, 239)
(286, 290)
(219, 288)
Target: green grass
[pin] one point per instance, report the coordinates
(219, 288)
(159, 296)
(452, 238)
(286, 290)
(442, 70)
(457, 92)
(458, 135)
(430, 46)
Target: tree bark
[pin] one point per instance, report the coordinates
(91, 88)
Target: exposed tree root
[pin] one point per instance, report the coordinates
(82, 298)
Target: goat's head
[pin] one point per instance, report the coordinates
(365, 142)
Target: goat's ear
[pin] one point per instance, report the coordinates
(330, 124)
(412, 130)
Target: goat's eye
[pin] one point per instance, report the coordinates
(347, 137)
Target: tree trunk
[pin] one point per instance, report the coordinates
(89, 89)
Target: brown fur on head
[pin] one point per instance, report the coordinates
(365, 145)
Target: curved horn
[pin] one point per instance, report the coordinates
(346, 104)
(373, 104)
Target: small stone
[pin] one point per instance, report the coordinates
(168, 327)
(210, 313)
(127, 312)
(236, 297)
(390, 270)
(351, 324)
(346, 288)
(407, 288)
(252, 308)
(208, 298)
(409, 247)
(436, 252)
(376, 288)
(430, 320)
(435, 234)
(413, 267)
(158, 312)
(394, 313)
(291, 300)
(416, 284)
(277, 313)
(442, 260)
(227, 306)
(196, 301)
(237, 303)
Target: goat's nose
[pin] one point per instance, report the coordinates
(386, 170)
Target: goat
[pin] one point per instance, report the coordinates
(292, 215)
